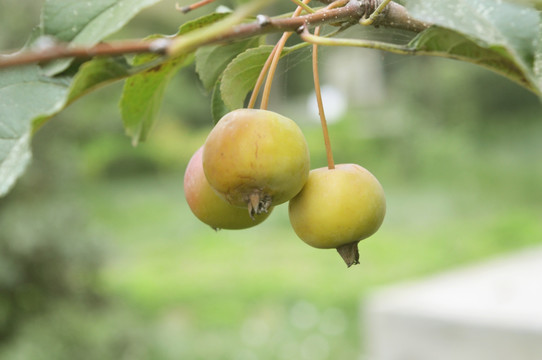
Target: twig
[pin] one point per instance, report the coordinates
(394, 16)
(304, 6)
(61, 51)
(320, 40)
(194, 6)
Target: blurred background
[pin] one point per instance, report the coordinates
(101, 258)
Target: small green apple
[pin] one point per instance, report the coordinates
(256, 158)
(208, 206)
(337, 208)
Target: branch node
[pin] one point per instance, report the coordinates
(159, 46)
(263, 20)
(43, 43)
(183, 9)
(302, 29)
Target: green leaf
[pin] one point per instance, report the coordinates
(502, 36)
(142, 97)
(143, 93)
(444, 42)
(241, 74)
(29, 98)
(218, 108)
(202, 22)
(25, 94)
(86, 22)
(538, 58)
(97, 73)
(537, 4)
(212, 60)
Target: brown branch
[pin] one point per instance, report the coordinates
(394, 16)
(62, 51)
(397, 16)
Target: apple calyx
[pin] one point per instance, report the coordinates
(258, 203)
(349, 252)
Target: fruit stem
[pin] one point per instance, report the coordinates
(194, 6)
(304, 6)
(261, 77)
(317, 90)
(275, 59)
(349, 253)
(272, 69)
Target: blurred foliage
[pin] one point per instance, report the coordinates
(19, 16)
(43, 261)
(100, 258)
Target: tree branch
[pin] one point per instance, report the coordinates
(394, 16)
(61, 51)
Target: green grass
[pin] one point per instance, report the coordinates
(176, 289)
(453, 199)
(213, 287)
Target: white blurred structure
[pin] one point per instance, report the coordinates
(356, 73)
(491, 311)
(351, 77)
(335, 104)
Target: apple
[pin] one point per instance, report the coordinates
(256, 159)
(337, 208)
(208, 206)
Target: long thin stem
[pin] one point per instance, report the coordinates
(265, 68)
(336, 4)
(194, 6)
(399, 49)
(274, 62)
(261, 78)
(317, 90)
(305, 7)
(320, 40)
(272, 69)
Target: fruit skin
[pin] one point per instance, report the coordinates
(208, 206)
(256, 158)
(338, 207)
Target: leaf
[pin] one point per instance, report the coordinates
(502, 36)
(143, 93)
(86, 22)
(240, 76)
(218, 108)
(212, 60)
(538, 58)
(537, 4)
(202, 22)
(97, 73)
(25, 94)
(142, 97)
(29, 98)
(439, 41)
